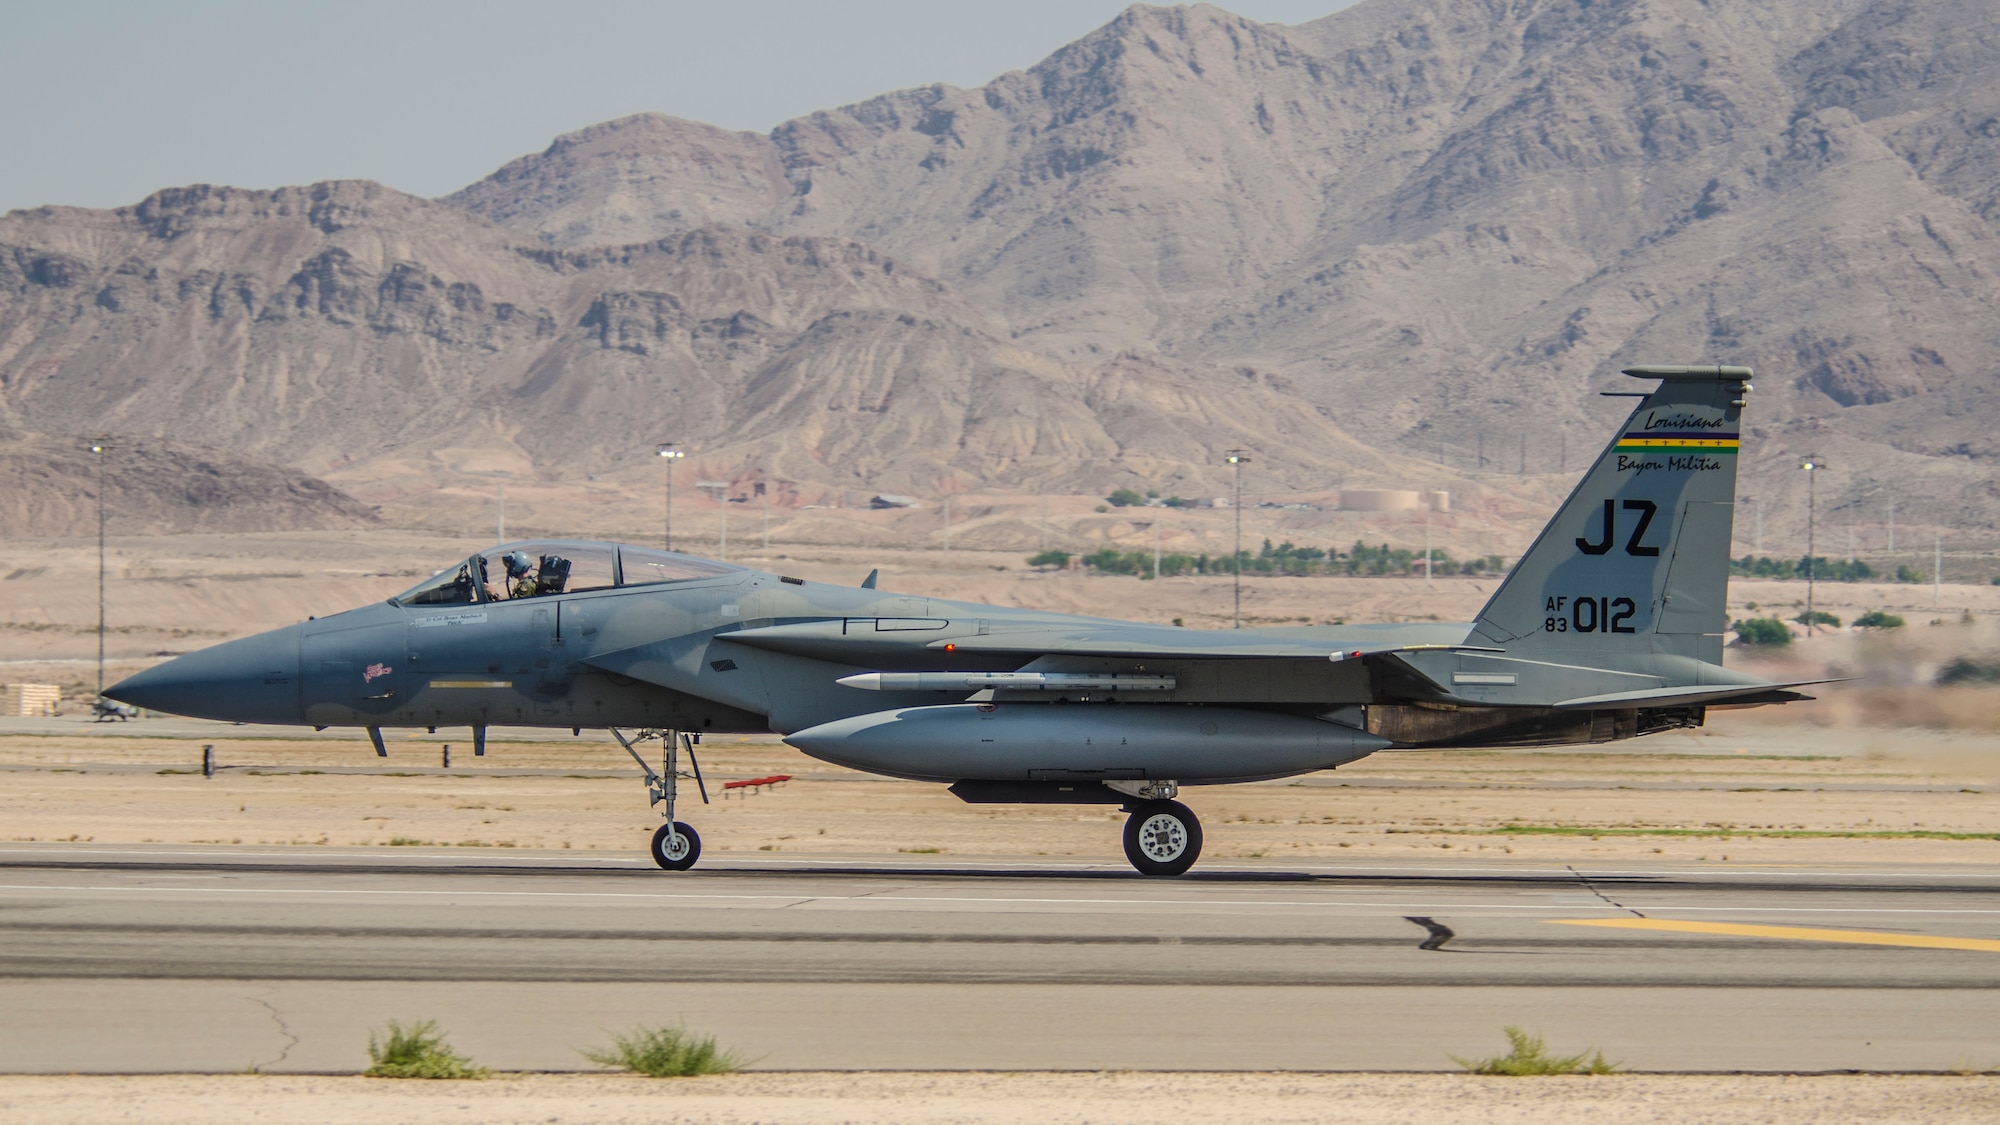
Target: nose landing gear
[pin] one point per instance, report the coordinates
(1162, 837)
(675, 845)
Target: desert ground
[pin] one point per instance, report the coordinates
(1739, 790)
(1883, 769)
(169, 594)
(1005, 1099)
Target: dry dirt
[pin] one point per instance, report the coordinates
(1737, 792)
(170, 594)
(1027, 1099)
(1883, 753)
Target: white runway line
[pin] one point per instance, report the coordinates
(816, 865)
(889, 897)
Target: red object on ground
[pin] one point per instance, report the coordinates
(756, 782)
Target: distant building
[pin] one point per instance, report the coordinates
(30, 699)
(1393, 500)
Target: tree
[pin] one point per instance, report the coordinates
(1876, 619)
(1125, 498)
(1817, 617)
(1047, 559)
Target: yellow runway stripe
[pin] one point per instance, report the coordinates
(1787, 933)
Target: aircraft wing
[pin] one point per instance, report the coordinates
(834, 639)
(1177, 644)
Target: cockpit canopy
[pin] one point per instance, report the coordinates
(541, 568)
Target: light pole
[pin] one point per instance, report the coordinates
(1427, 548)
(97, 450)
(1238, 458)
(1812, 466)
(670, 452)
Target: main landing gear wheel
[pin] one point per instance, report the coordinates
(1162, 838)
(676, 851)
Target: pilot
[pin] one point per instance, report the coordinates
(518, 564)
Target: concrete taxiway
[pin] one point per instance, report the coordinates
(221, 958)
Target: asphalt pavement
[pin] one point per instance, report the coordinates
(129, 959)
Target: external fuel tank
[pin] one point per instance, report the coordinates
(1085, 741)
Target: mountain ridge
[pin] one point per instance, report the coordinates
(1370, 246)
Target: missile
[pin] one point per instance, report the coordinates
(1008, 681)
(1085, 741)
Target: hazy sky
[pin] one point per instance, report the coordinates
(108, 101)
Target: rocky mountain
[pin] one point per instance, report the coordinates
(48, 489)
(1456, 218)
(350, 329)
(1377, 246)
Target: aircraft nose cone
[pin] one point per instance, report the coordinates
(253, 680)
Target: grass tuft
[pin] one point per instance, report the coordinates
(416, 1051)
(1529, 1056)
(666, 1052)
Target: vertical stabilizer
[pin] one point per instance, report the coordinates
(1637, 559)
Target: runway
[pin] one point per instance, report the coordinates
(216, 958)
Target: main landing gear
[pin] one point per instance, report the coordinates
(1162, 837)
(676, 845)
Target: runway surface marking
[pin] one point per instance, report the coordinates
(891, 898)
(1787, 933)
(904, 866)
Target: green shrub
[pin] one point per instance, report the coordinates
(1529, 1057)
(666, 1052)
(1967, 670)
(1818, 566)
(416, 1051)
(1124, 498)
(1767, 631)
(1876, 619)
(1905, 574)
(1057, 559)
(1818, 617)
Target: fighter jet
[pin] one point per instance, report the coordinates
(1609, 627)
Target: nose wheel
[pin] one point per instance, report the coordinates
(676, 846)
(1162, 837)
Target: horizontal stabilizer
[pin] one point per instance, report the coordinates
(1684, 696)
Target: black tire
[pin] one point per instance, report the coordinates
(1162, 838)
(690, 849)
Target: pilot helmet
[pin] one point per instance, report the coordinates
(518, 564)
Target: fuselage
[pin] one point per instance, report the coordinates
(683, 654)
